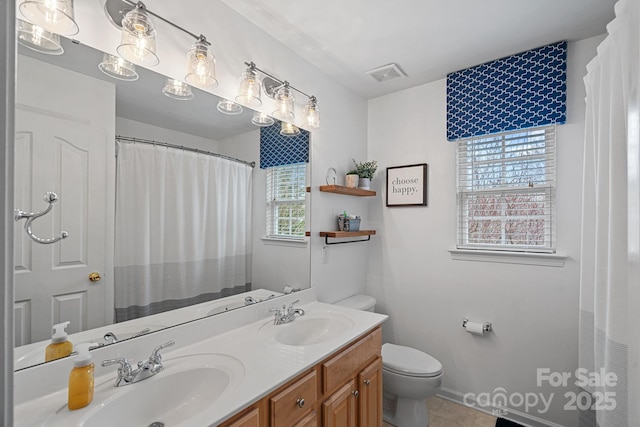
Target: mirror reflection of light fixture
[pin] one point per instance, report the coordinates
(284, 103)
(201, 68)
(138, 42)
(249, 92)
(176, 89)
(229, 107)
(56, 16)
(261, 119)
(37, 38)
(311, 114)
(118, 68)
(287, 129)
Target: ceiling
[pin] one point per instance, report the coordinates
(427, 38)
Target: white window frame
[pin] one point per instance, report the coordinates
(467, 188)
(297, 174)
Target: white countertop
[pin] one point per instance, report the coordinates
(267, 364)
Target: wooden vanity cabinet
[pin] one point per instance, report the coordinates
(344, 390)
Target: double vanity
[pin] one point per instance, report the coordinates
(320, 366)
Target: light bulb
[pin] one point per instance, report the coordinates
(201, 69)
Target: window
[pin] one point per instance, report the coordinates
(506, 191)
(286, 201)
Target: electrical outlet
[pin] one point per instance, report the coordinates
(325, 255)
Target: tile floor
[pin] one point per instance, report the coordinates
(444, 413)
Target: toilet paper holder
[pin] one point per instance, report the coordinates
(486, 327)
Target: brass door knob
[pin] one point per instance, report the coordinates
(95, 277)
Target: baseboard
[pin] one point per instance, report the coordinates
(523, 418)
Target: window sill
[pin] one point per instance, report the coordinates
(282, 241)
(526, 258)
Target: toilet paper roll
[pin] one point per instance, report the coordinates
(475, 328)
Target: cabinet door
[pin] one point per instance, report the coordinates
(339, 410)
(370, 399)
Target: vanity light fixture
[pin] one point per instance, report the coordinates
(37, 38)
(287, 129)
(249, 92)
(261, 119)
(229, 108)
(56, 16)
(284, 102)
(138, 42)
(176, 89)
(201, 65)
(118, 68)
(282, 92)
(311, 114)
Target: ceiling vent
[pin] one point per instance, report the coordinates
(387, 72)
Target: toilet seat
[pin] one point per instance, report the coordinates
(409, 361)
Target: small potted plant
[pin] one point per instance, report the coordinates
(365, 171)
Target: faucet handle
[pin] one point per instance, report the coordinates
(292, 304)
(156, 357)
(125, 367)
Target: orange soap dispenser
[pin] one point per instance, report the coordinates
(81, 378)
(60, 346)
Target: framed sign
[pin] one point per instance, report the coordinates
(407, 185)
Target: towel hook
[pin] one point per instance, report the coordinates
(50, 198)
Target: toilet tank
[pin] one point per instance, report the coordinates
(358, 302)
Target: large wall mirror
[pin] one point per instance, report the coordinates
(69, 117)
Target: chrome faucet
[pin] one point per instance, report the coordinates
(111, 338)
(287, 314)
(127, 375)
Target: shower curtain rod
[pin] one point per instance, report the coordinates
(181, 147)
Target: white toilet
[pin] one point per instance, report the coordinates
(409, 376)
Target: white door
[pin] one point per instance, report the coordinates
(67, 157)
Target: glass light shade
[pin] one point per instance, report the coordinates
(261, 119)
(311, 114)
(56, 16)
(287, 129)
(201, 66)
(229, 107)
(177, 90)
(118, 68)
(138, 42)
(37, 38)
(284, 103)
(249, 92)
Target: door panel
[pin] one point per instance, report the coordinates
(65, 156)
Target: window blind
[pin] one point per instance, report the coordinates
(506, 191)
(278, 150)
(286, 201)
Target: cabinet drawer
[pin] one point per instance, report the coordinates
(295, 401)
(350, 361)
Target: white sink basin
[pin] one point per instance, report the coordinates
(187, 386)
(308, 329)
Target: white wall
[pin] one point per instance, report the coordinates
(275, 264)
(135, 129)
(534, 309)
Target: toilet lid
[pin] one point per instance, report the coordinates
(409, 361)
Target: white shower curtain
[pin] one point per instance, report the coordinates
(183, 228)
(608, 281)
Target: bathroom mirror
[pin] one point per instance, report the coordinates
(142, 111)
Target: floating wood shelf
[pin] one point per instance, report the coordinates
(346, 234)
(340, 189)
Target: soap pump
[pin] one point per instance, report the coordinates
(81, 378)
(60, 346)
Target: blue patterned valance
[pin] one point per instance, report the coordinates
(278, 150)
(520, 91)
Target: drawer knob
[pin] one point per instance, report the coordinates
(367, 382)
(300, 403)
(355, 393)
